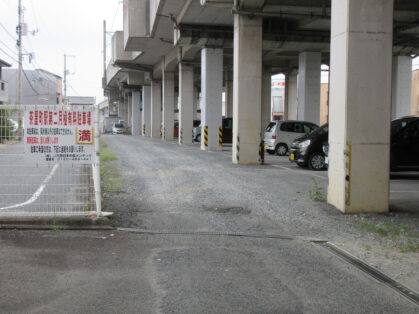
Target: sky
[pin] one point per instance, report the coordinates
(72, 27)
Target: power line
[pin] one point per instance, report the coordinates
(30, 84)
(34, 14)
(116, 13)
(10, 49)
(4, 51)
(72, 88)
(11, 36)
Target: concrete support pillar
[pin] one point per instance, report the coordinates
(168, 105)
(228, 97)
(247, 91)
(401, 88)
(212, 98)
(360, 105)
(291, 96)
(156, 109)
(195, 102)
(128, 122)
(135, 113)
(146, 113)
(309, 64)
(266, 112)
(186, 99)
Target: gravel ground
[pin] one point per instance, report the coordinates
(173, 187)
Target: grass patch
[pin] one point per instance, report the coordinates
(111, 179)
(105, 153)
(398, 235)
(316, 193)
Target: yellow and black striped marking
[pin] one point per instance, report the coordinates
(238, 148)
(206, 136)
(143, 129)
(220, 136)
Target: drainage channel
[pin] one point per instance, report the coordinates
(371, 271)
(341, 254)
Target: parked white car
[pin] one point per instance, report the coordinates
(281, 133)
(118, 128)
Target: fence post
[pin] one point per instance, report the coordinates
(96, 165)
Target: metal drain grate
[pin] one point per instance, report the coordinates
(398, 287)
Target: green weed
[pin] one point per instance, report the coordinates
(316, 193)
(111, 179)
(398, 235)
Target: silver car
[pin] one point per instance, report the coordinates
(280, 134)
(118, 128)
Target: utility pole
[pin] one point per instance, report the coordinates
(66, 72)
(19, 46)
(65, 77)
(104, 51)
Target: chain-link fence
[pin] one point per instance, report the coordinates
(55, 185)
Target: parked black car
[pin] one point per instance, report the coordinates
(311, 150)
(405, 144)
(307, 150)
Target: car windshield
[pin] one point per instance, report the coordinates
(321, 130)
(119, 125)
(271, 127)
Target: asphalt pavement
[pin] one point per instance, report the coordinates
(116, 272)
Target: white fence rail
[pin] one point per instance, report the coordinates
(56, 187)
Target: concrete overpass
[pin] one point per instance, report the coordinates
(177, 49)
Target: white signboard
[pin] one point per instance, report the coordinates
(59, 134)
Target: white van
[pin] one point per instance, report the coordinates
(280, 134)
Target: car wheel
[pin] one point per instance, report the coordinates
(270, 151)
(316, 161)
(281, 149)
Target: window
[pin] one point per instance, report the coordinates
(309, 127)
(287, 127)
(271, 127)
(2, 86)
(298, 128)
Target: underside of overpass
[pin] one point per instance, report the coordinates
(172, 53)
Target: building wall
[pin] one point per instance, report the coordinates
(277, 97)
(415, 93)
(39, 87)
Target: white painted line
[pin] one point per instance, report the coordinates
(301, 172)
(38, 192)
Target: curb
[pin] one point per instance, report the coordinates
(57, 223)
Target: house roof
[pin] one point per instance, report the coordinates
(4, 63)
